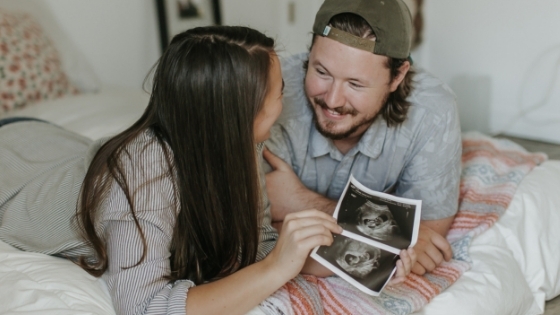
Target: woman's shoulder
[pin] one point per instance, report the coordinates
(146, 167)
(145, 139)
(146, 162)
(146, 149)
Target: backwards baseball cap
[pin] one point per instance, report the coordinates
(389, 19)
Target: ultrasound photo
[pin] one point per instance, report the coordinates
(356, 261)
(376, 227)
(380, 219)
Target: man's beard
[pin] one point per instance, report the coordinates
(325, 131)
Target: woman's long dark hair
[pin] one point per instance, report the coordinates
(208, 87)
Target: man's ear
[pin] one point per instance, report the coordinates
(403, 70)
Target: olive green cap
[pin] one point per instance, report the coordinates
(389, 19)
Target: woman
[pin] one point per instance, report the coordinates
(171, 206)
(185, 177)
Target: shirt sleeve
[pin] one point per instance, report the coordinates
(293, 99)
(433, 170)
(268, 235)
(278, 145)
(139, 286)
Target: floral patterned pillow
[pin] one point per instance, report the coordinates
(30, 67)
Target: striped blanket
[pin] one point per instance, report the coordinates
(491, 171)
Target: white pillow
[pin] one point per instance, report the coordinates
(494, 284)
(74, 63)
(33, 283)
(531, 228)
(93, 115)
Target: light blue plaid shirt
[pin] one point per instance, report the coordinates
(419, 159)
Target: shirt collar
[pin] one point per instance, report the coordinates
(371, 143)
(319, 145)
(373, 139)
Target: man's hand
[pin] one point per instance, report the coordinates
(432, 248)
(404, 265)
(287, 193)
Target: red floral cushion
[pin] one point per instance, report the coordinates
(30, 67)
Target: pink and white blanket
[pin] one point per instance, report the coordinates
(491, 171)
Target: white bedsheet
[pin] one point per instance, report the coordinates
(516, 262)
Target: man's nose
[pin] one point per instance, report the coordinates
(335, 96)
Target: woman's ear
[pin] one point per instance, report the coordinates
(403, 70)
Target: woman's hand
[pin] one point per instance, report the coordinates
(404, 265)
(301, 232)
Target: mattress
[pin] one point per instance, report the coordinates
(515, 263)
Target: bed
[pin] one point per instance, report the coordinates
(516, 263)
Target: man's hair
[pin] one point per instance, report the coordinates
(209, 85)
(396, 108)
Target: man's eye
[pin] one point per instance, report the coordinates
(321, 72)
(356, 85)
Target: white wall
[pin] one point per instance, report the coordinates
(288, 21)
(258, 14)
(502, 58)
(119, 37)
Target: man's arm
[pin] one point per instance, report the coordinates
(433, 173)
(440, 226)
(432, 248)
(287, 193)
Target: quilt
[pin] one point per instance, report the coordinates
(491, 171)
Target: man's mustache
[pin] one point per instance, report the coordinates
(340, 110)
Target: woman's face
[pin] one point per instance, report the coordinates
(272, 102)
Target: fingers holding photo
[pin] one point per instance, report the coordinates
(301, 232)
(407, 259)
(404, 265)
(311, 213)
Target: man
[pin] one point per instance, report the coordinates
(362, 110)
